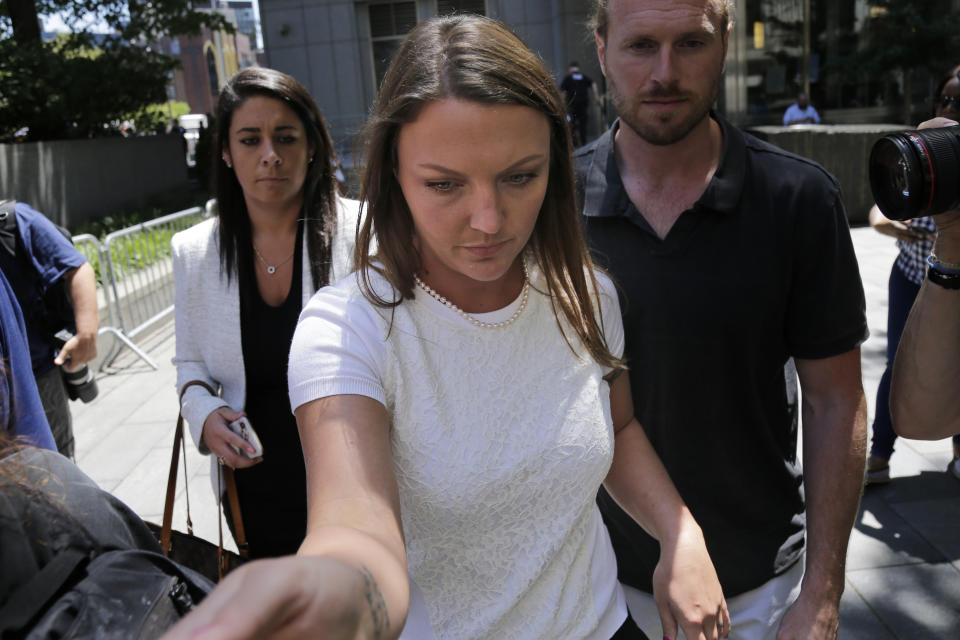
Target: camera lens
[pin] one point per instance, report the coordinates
(916, 173)
(80, 384)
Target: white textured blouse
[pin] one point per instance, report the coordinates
(501, 438)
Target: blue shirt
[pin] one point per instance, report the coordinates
(21, 413)
(50, 256)
(794, 113)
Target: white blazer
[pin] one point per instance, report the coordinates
(207, 314)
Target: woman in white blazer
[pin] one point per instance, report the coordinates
(281, 233)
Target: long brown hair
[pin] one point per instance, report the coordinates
(319, 186)
(469, 57)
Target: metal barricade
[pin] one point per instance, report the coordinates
(136, 271)
(92, 250)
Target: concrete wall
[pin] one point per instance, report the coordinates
(72, 181)
(319, 44)
(843, 150)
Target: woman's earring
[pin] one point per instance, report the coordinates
(226, 162)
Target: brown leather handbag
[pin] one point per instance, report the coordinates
(202, 556)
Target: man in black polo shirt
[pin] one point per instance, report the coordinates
(732, 256)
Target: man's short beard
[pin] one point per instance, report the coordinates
(665, 135)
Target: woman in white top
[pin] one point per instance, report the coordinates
(242, 278)
(459, 398)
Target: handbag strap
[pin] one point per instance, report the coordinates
(243, 548)
(167, 524)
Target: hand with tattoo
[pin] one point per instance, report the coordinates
(290, 597)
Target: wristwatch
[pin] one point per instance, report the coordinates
(945, 280)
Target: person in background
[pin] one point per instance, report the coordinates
(731, 256)
(37, 259)
(459, 398)
(242, 278)
(801, 112)
(915, 242)
(578, 90)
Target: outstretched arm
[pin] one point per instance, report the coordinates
(686, 588)
(349, 578)
(834, 452)
(924, 401)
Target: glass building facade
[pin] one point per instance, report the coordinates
(823, 48)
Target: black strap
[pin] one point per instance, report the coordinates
(32, 598)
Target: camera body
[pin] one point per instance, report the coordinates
(916, 173)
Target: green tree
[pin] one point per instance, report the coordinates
(909, 35)
(156, 117)
(81, 82)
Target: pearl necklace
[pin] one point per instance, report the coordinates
(272, 268)
(524, 294)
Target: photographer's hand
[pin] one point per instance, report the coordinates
(77, 351)
(218, 437)
(923, 398)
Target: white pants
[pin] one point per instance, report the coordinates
(754, 615)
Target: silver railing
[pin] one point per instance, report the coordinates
(135, 276)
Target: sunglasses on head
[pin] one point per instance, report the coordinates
(945, 102)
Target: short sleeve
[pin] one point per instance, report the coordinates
(338, 348)
(826, 314)
(610, 310)
(50, 251)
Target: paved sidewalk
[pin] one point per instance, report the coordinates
(903, 567)
(124, 440)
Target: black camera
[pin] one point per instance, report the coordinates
(80, 383)
(916, 173)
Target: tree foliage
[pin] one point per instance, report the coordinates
(155, 118)
(910, 35)
(80, 83)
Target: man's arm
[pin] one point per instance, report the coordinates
(82, 347)
(834, 451)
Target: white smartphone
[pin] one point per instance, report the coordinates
(244, 429)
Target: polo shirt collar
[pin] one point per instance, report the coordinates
(723, 192)
(604, 195)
